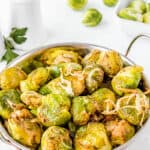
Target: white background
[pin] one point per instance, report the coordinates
(64, 25)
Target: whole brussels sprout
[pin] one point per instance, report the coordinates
(21, 127)
(35, 79)
(32, 99)
(92, 17)
(138, 5)
(9, 101)
(92, 136)
(120, 131)
(54, 110)
(130, 14)
(146, 18)
(133, 107)
(10, 78)
(93, 77)
(105, 98)
(91, 58)
(110, 3)
(83, 107)
(56, 138)
(128, 77)
(77, 4)
(111, 62)
(59, 55)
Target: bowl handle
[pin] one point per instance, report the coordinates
(133, 42)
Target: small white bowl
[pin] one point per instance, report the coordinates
(133, 28)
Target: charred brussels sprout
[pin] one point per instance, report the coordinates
(92, 17)
(130, 14)
(56, 56)
(92, 136)
(133, 107)
(56, 138)
(93, 77)
(21, 127)
(110, 3)
(120, 131)
(128, 77)
(83, 107)
(146, 18)
(106, 100)
(32, 99)
(111, 62)
(54, 110)
(9, 101)
(77, 4)
(91, 58)
(10, 78)
(138, 5)
(35, 79)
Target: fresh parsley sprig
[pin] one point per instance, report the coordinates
(17, 35)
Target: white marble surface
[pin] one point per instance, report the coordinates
(64, 25)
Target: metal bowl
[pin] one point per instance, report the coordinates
(82, 48)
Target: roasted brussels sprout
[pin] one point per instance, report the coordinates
(138, 5)
(128, 77)
(111, 62)
(77, 4)
(133, 107)
(9, 101)
(83, 107)
(130, 14)
(32, 99)
(21, 127)
(120, 131)
(54, 110)
(91, 58)
(93, 77)
(106, 100)
(92, 136)
(110, 3)
(69, 85)
(10, 78)
(35, 79)
(146, 18)
(59, 55)
(56, 138)
(92, 17)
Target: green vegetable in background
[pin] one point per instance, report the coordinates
(92, 17)
(131, 14)
(146, 18)
(138, 5)
(110, 3)
(17, 35)
(77, 4)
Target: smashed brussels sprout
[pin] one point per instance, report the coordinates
(21, 127)
(128, 77)
(120, 131)
(10, 78)
(77, 4)
(9, 101)
(92, 17)
(111, 62)
(92, 136)
(93, 77)
(56, 138)
(54, 110)
(110, 3)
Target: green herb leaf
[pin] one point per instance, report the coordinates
(19, 39)
(8, 44)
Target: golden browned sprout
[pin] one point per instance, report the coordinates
(22, 129)
(10, 78)
(120, 131)
(111, 62)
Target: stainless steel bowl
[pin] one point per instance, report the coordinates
(82, 48)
